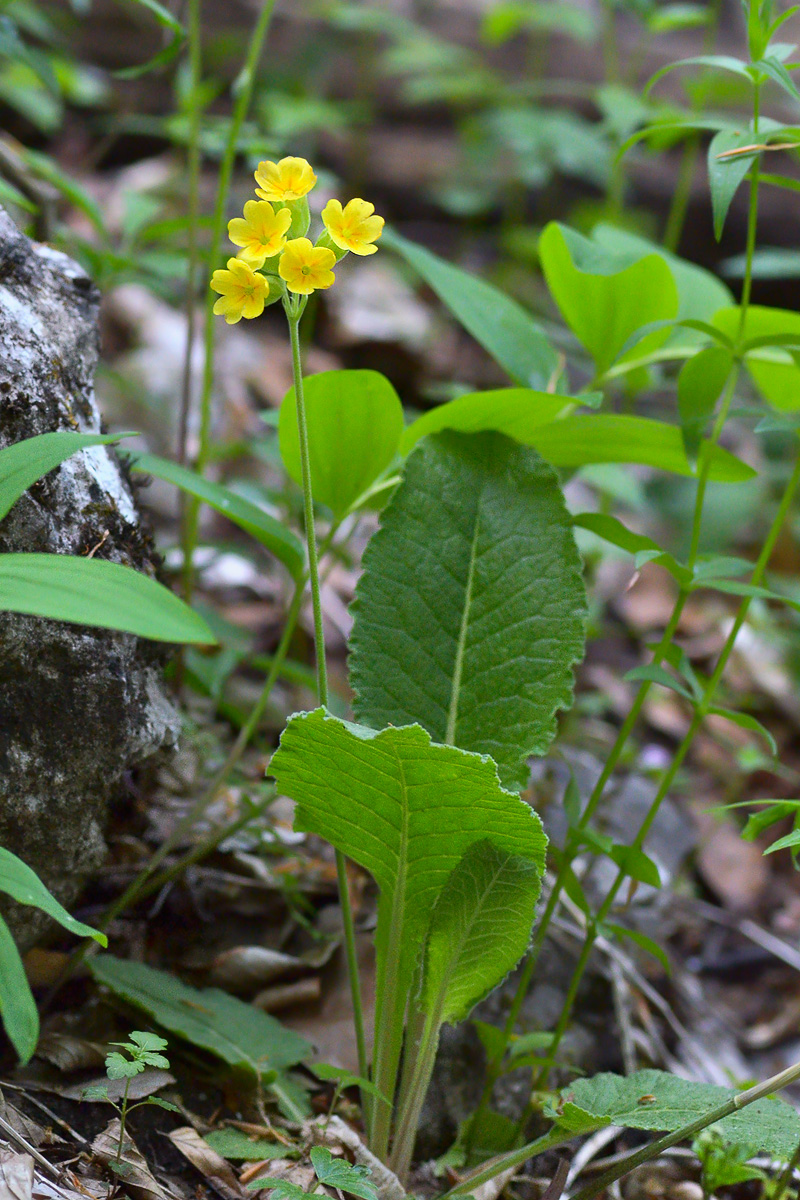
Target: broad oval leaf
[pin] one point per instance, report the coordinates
(355, 420)
(480, 929)
(512, 337)
(22, 464)
(607, 437)
(773, 368)
(279, 540)
(607, 1099)
(91, 591)
(470, 612)
(605, 298)
(513, 411)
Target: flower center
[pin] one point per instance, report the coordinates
(305, 270)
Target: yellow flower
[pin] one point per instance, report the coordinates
(305, 268)
(243, 292)
(289, 179)
(353, 227)
(261, 232)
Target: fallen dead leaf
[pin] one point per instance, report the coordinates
(16, 1176)
(136, 1176)
(212, 1166)
(733, 869)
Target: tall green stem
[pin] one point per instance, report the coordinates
(244, 92)
(294, 311)
(193, 212)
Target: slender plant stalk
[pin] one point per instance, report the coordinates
(122, 1119)
(514, 1158)
(784, 1180)
(193, 212)
(294, 311)
(244, 93)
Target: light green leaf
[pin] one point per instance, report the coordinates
(237, 1146)
(606, 437)
(24, 885)
(242, 1036)
(746, 721)
(610, 529)
(25, 462)
(279, 540)
(513, 411)
(603, 298)
(355, 420)
(339, 1173)
(606, 1099)
(512, 337)
(17, 1005)
(480, 929)
(773, 369)
(700, 384)
(641, 940)
(726, 174)
(119, 1067)
(330, 1073)
(720, 62)
(148, 1041)
(469, 614)
(655, 674)
(166, 20)
(406, 810)
(280, 1189)
(91, 591)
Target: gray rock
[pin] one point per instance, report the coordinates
(78, 706)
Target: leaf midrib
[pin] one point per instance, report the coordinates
(458, 664)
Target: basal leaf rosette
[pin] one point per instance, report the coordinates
(271, 238)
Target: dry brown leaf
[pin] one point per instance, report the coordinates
(16, 1176)
(733, 869)
(212, 1166)
(136, 1176)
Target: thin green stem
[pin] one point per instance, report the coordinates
(244, 92)
(122, 1119)
(193, 211)
(294, 311)
(504, 1162)
(648, 1153)
(784, 1180)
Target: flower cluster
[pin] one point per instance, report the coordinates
(275, 257)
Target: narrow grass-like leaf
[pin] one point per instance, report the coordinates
(91, 591)
(406, 810)
(22, 464)
(660, 1102)
(17, 1005)
(279, 540)
(242, 1036)
(512, 337)
(470, 613)
(20, 882)
(726, 174)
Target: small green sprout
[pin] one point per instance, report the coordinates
(332, 1172)
(143, 1050)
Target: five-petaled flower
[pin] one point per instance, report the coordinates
(289, 179)
(261, 232)
(353, 227)
(306, 268)
(243, 292)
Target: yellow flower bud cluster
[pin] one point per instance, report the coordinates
(275, 256)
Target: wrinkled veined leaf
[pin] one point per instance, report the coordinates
(480, 928)
(726, 174)
(774, 369)
(17, 1006)
(604, 297)
(470, 612)
(606, 1099)
(512, 337)
(354, 420)
(91, 591)
(700, 384)
(339, 1173)
(241, 1035)
(607, 437)
(513, 411)
(406, 810)
(22, 464)
(279, 540)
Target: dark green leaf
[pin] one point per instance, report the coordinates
(17, 1005)
(642, 941)
(700, 384)
(24, 885)
(339, 1173)
(725, 174)
(478, 535)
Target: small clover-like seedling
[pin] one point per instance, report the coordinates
(332, 1172)
(143, 1050)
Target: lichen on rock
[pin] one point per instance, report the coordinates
(78, 706)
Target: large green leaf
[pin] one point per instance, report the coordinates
(606, 437)
(470, 612)
(605, 298)
(25, 462)
(406, 810)
(355, 420)
(773, 368)
(513, 411)
(480, 929)
(241, 1035)
(17, 1005)
(657, 1101)
(91, 591)
(279, 540)
(512, 337)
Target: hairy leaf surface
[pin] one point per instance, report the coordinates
(470, 613)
